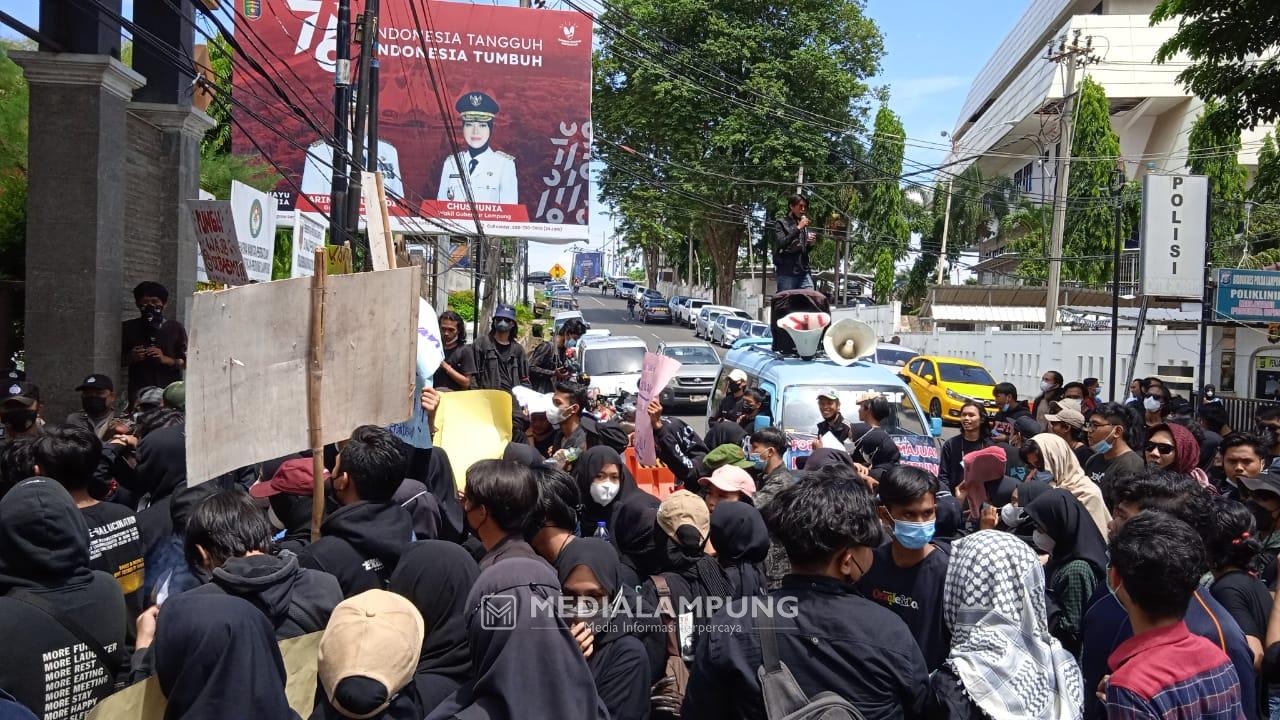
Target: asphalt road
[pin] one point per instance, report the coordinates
(609, 312)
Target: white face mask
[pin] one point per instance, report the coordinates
(1151, 404)
(555, 415)
(1011, 515)
(1046, 386)
(604, 492)
(1042, 541)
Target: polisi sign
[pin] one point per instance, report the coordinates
(1175, 215)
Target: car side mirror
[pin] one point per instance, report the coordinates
(930, 379)
(935, 427)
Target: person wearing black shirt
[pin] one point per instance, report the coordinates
(735, 388)
(973, 436)
(153, 348)
(832, 421)
(792, 240)
(566, 413)
(459, 366)
(907, 574)
(871, 444)
(500, 360)
(547, 361)
(1232, 548)
(1006, 397)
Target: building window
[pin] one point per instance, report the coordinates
(1022, 178)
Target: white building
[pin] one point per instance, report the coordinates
(1010, 116)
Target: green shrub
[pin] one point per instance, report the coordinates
(462, 302)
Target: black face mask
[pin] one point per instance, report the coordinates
(152, 315)
(94, 405)
(1262, 517)
(18, 420)
(503, 325)
(1267, 435)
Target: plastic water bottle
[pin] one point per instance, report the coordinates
(602, 532)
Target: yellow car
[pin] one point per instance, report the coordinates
(943, 384)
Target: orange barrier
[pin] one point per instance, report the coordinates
(657, 481)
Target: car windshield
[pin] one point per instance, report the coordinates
(712, 315)
(742, 314)
(957, 373)
(562, 319)
(692, 354)
(697, 303)
(613, 361)
(761, 330)
(734, 322)
(893, 356)
(800, 408)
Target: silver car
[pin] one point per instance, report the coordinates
(727, 329)
(688, 314)
(696, 379)
(706, 318)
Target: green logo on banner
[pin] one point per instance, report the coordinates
(255, 218)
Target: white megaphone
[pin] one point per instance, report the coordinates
(805, 329)
(849, 339)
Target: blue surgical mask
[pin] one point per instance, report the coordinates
(570, 343)
(913, 535)
(1005, 407)
(1098, 392)
(1044, 476)
(755, 458)
(1102, 447)
(1107, 577)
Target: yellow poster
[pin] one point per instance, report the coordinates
(473, 425)
(338, 259)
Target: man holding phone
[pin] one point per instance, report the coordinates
(792, 241)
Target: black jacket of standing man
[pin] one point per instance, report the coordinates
(792, 240)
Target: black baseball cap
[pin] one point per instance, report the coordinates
(96, 382)
(21, 391)
(1027, 427)
(1266, 482)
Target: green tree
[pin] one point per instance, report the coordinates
(882, 212)
(218, 139)
(690, 95)
(1089, 239)
(1026, 230)
(13, 164)
(1262, 219)
(1212, 150)
(1233, 47)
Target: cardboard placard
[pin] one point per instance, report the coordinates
(338, 259)
(474, 425)
(308, 234)
(215, 230)
(658, 371)
(249, 354)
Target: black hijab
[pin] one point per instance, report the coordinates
(633, 534)
(691, 563)
(216, 657)
(432, 468)
(725, 432)
(530, 669)
(741, 541)
(1075, 535)
(162, 462)
(821, 457)
(585, 471)
(44, 541)
(436, 576)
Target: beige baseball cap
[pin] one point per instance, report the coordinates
(684, 508)
(375, 635)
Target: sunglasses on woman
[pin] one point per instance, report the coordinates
(1162, 448)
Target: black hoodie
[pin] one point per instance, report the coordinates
(162, 470)
(297, 601)
(44, 558)
(360, 545)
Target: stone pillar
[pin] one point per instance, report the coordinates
(164, 172)
(75, 220)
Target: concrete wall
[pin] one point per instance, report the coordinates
(1022, 357)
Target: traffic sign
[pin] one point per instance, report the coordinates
(557, 271)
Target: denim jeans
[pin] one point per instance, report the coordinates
(803, 281)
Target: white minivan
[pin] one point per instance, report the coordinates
(613, 363)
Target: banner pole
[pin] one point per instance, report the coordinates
(314, 376)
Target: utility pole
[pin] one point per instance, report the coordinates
(946, 228)
(372, 8)
(1117, 196)
(341, 108)
(367, 30)
(1074, 55)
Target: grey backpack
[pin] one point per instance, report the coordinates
(783, 698)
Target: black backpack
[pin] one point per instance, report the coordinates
(783, 698)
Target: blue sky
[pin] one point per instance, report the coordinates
(934, 48)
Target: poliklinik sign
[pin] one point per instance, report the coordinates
(513, 145)
(1248, 296)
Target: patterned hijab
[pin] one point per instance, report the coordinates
(994, 604)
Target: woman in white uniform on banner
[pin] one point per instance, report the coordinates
(492, 174)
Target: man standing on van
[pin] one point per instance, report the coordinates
(792, 241)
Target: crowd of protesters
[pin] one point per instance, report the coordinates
(1072, 558)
